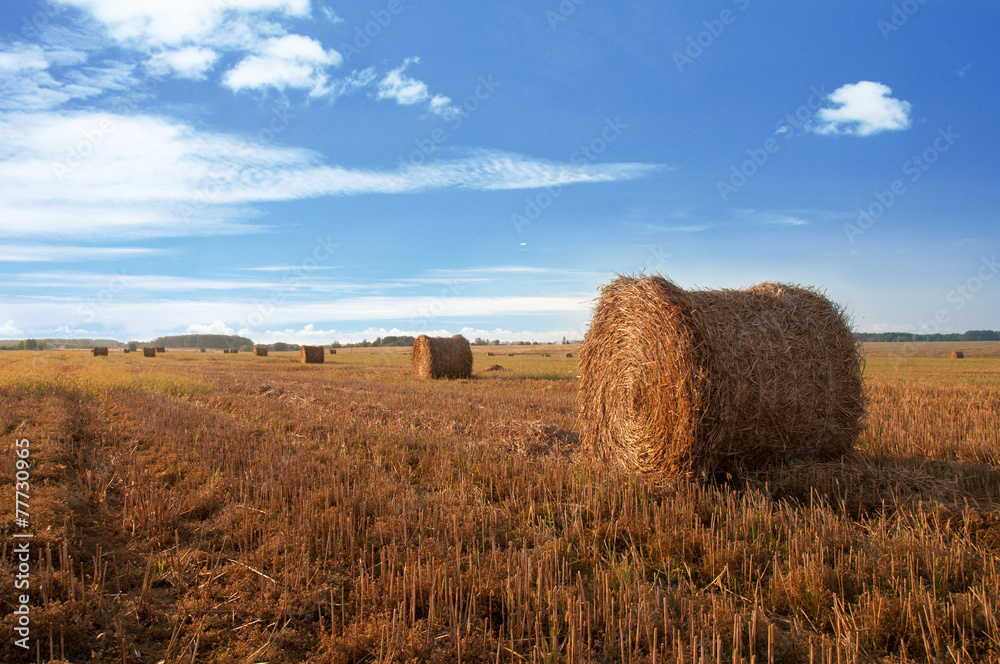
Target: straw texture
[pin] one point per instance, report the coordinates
(717, 381)
(311, 354)
(441, 357)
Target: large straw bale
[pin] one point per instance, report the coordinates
(311, 354)
(957, 355)
(149, 351)
(714, 381)
(260, 351)
(441, 357)
(100, 351)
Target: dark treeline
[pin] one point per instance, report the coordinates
(970, 335)
(202, 341)
(380, 342)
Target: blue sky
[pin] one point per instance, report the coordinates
(306, 171)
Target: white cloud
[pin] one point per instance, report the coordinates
(9, 329)
(862, 109)
(101, 174)
(331, 16)
(292, 61)
(43, 253)
(407, 91)
(145, 318)
(34, 78)
(218, 327)
(184, 22)
(189, 62)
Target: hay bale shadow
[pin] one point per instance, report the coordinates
(862, 485)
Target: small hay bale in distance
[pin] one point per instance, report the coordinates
(957, 355)
(234, 351)
(333, 351)
(311, 354)
(569, 354)
(260, 351)
(161, 349)
(441, 357)
(225, 351)
(126, 350)
(489, 354)
(149, 351)
(707, 382)
(100, 351)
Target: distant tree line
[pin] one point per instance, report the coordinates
(50, 344)
(202, 341)
(970, 335)
(380, 342)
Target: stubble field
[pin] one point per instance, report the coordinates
(215, 508)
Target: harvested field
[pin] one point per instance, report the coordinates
(229, 511)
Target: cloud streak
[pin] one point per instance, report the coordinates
(86, 173)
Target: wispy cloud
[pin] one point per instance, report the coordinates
(199, 180)
(766, 218)
(862, 109)
(189, 62)
(38, 253)
(408, 91)
(291, 61)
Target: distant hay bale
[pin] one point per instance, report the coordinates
(714, 381)
(101, 351)
(510, 354)
(569, 354)
(148, 351)
(260, 351)
(311, 354)
(234, 351)
(225, 351)
(161, 349)
(957, 355)
(126, 350)
(202, 350)
(489, 354)
(442, 357)
(333, 351)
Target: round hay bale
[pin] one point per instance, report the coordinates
(715, 381)
(311, 354)
(489, 354)
(260, 351)
(442, 357)
(234, 351)
(333, 351)
(225, 351)
(957, 355)
(148, 351)
(161, 349)
(126, 350)
(569, 354)
(100, 351)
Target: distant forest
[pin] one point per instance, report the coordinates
(971, 335)
(200, 341)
